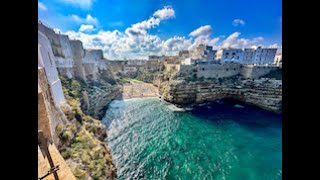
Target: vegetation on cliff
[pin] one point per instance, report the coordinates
(83, 137)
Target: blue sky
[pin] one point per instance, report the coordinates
(138, 28)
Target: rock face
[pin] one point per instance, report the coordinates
(99, 98)
(264, 93)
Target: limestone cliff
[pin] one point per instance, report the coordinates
(78, 136)
(83, 137)
(97, 94)
(265, 93)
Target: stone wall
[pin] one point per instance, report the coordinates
(253, 72)
(65, 46)
(72, 60)
(225, 70)
(47, 61)
(53, 38)
(49, 114)
(218, 70)
(91, 56)
(92, 61)
(78, 53)
(44, 122)
(116, 66)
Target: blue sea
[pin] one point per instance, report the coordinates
(150, 139)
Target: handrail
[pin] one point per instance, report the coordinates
(44, 146)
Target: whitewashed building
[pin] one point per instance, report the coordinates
(232, 55)
(203, 52)
(264, 55)
(248, 56)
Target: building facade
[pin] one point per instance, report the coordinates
(46, 60)
(264, 55)
(248, 55)
(232, 55)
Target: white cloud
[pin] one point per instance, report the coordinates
(136, 42)
(84, 4)
(175, 44)
(86, 28)
(42, 7)
(279, 47)
(88, 20)
(165, 13)
(233, 41)
(140, 29)
(202, 31)
(57, 30)
(273, 46)
(238, 22)
(147, 24)
(205, 40)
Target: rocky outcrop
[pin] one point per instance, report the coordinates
(99, 98)
(264, 93)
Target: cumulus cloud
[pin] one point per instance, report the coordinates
(238, 22)
(136, 43)
(84, 4)
(42, 7)
(57, 30)
(205, 40)
(233, 41)
(279, 47)
(175, 44)
(140, 29)
(165, 13)
(202, 31)
(88, 20)
(86, 28)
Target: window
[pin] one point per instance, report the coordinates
(202, 69)
(227, 53)
(234, 69)
(227, 69)
(233, 53)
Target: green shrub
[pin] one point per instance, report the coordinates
(67, 153)
(72, 128)
(59, 129)
(66, 136)
(79, 173)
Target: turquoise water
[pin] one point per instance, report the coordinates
(219, 141)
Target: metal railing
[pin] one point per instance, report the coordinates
(44, 146)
